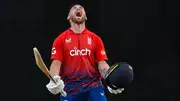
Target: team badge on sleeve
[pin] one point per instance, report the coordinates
(103, 52)
(53, 51)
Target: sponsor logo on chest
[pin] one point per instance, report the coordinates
(78, 52)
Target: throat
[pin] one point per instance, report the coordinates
(78, 29)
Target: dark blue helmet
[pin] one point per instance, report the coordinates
(120, 75)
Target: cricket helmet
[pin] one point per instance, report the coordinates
(119, 75)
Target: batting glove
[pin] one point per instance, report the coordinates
(117, 91)
(56, 88)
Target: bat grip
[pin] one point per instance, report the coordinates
(63, 93)
(52, 79)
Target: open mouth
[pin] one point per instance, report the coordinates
(78, 14)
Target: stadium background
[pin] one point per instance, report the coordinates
(143, 33)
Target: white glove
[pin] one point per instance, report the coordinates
(117, 91)
(56, 88)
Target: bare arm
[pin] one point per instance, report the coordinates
(103, 67)
(55, 67)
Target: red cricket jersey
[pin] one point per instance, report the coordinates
(79, 54)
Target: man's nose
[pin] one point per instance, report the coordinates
(78, 9)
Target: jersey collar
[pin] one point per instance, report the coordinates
(76, 33)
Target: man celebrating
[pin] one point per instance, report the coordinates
(78, 62)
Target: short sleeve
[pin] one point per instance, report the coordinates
(57, 49)
(100, 53)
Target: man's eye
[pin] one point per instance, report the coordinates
(74, 7)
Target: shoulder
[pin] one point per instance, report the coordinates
(62, 35)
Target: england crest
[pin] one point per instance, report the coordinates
(89, 41)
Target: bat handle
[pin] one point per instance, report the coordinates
(63, 93)
(52, 79)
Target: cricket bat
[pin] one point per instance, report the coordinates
(40, 63)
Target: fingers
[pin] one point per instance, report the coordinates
(110, 90)
(61, 84)
(58, 87)
(53, 89)
(115, 92)
(118, 91)
(51, 85)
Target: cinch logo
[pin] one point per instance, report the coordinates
(82, 52)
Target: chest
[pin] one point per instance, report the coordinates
(79, 44)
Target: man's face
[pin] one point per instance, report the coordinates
(77, 14)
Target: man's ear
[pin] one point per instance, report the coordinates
(85, 17)
(68, 17)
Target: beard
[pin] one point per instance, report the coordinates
(78, 20)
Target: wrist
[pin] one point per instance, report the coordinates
(103, 73)
(56, 76)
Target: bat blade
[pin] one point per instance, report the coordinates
(40, 63)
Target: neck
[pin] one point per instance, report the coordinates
(78, 28)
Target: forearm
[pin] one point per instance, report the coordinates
(103, 68)
(55, 68)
